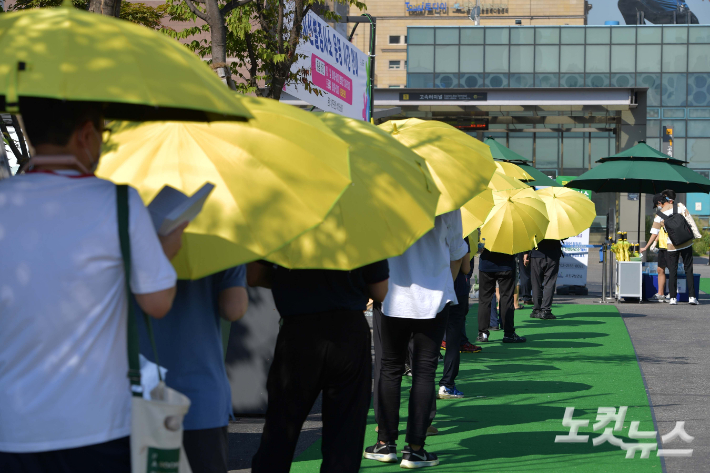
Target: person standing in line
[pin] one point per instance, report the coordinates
(324, 344)
(675, 251)
(65, 397)
(662, 242)
(525, 286)
(496, 267)
(545, 264)
(421, 288)
(189, 343)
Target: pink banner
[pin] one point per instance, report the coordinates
(332, 80)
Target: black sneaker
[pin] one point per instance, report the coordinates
(547, 314)
(535, 314)
(482, 337)
(418, 459)
(386, 453)
(514, 338)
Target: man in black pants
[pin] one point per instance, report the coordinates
(545, 264)
(496, 267)
(525, 284)
(323, 345)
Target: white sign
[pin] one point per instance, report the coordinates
(698, 206)
(337, 69)
(573, 267)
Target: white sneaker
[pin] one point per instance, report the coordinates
(659, 298)
(673, 301)
(693, 301)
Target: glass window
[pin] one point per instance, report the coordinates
(572, 59)
(699, 113)
(546, 80)
(420, 81)
(679, 148)
(521, 58)
(675, 34)
(653, 82)
(648, 59)
(623, 58)
(574, 153)
(395, 64)
(547, 150)
(497, 35)
(496, 59)
(597, 59)
(597, 80)
(395, 39)
(678, 127)
(472, 35)
(623, 35)
(648, 34)
(523, 145)
(471, 59)
(547, 58)
(600, 148)
(521, 80)
(698, 153)
(699, 58)
(447, 59)
(675, 58)
(598, 35)
(547, 35)
(653, 128)
(699, 128)
(496, 80)
(471, 81)
(673, 113)
(700, 34)
(447, 36)
(571, 80)
(622, 80)
(522, 35)
(573, 35)
(699, 89)
(421, 58)
(673, 90)
(421, 35)
(654, 143)
(446, 81)
(653, 113)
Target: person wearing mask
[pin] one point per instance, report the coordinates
(324, 344)
(545, 264)
(189, 344)
(496, 268)
(676, 250)
(662, 242)
(65, 401)
(421, 288)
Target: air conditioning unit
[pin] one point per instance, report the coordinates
(446, 81)
(471, 81)
(598, 80)
(521, 80)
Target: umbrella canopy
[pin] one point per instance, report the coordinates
(570, 212)
(511, 170)
(475, 211)
(539, 179)
(272, 183)
(500, 152)
(68, 54)
(517, 222)
(390, 204)
(461, 165)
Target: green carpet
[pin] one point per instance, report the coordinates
(705, 285)
(516, 396)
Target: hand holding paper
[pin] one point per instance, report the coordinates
(171, 208)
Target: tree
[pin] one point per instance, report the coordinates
(134, 12)
(261, 36)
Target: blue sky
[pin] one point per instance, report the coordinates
(604, 10)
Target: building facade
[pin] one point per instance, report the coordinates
(395, 16)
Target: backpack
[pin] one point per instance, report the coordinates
(677, 226)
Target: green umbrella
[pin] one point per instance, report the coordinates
(641, 169)
(501, 153)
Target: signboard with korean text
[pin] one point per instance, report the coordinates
(573, 267)
(337, 69)
(442, 97)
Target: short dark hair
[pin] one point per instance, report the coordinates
(50, 121)
(669, 194)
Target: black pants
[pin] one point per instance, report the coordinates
(206, 449)
(426, 336)
(327, 352)
(107, 457)
(525, 283)
(544, 280)
(455, 331)
(652, 13)
(672, 258)
(486, 292)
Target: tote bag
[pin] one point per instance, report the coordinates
(156, 423)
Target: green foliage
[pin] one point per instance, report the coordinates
(27, 4)
(701, 245)
(259, 56)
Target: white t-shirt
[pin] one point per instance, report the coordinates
(63, 312)
(420, 283)
(658, 222)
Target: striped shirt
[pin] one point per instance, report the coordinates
(658, 223)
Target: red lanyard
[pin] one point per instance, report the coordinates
(72, 176)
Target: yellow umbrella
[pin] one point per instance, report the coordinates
(517, 222)
(570, 212)
(475, 211)
(275, 177)
(511, 170)
(388, 207)
(461, 165)
(140, 74)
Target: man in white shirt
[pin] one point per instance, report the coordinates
(675, 252)
(420, 290)
(65, 398)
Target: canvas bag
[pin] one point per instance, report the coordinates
(678, 228)
(156, 424)
(691, 221)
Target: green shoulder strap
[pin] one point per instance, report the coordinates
(134, 371)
